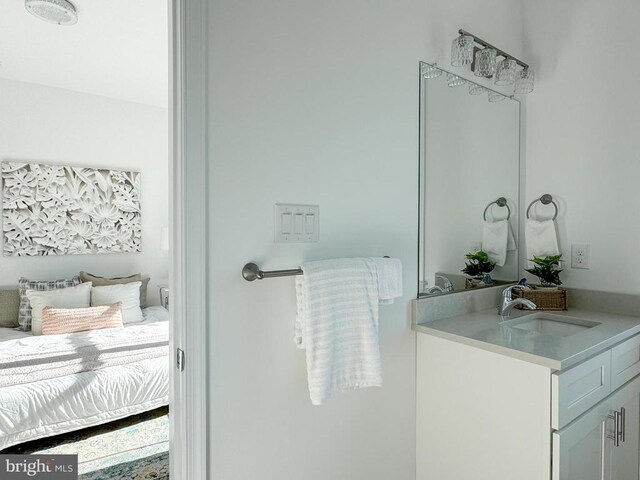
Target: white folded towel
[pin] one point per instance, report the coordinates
(495, 238)
(337, 324)
(541, 239)
(389, 273)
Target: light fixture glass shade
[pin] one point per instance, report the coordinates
(524, 82)
(462, 51)
(60, 12)
(455, 80)
(495, 97)
(475, 89)
(485, 64)
(506, 72)
(430, 71)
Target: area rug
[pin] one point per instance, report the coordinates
(134, 448)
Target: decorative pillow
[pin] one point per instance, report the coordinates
(105, 281)
(9, 308)
(128, 294)
(24, 318)
(72, 297)
(69, 320)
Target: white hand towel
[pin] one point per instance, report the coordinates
(337, 324)
(511, 242)
(495, 239)
(389, 272)
(541, 239)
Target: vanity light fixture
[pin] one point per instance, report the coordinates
(496, 97)
(455, 80)
(524, 81)
(462, 50)
(475, 89)
(430, 71)
(485, 62)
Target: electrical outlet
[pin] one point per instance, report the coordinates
(580, 255)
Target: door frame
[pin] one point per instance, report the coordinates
(189, 238)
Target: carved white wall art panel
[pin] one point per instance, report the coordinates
(58, 210)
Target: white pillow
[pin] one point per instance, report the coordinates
(71, 297)
(127, 293)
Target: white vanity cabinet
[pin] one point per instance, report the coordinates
(625, 459)
(595, 447)
(484, 415)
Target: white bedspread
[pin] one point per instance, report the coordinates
(64, 404)
(69, 402)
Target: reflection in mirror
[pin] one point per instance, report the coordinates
(469, 185)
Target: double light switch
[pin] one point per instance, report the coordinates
(297, 223)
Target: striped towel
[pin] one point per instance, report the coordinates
(337, 325)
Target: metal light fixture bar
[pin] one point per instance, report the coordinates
(502, 53)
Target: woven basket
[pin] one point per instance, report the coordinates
(544, 299)
(468, 284)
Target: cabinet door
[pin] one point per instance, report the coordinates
(625, 457)
(582, 451)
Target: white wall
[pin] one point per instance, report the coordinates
(51, 125)
(582, 132)
(317, 102)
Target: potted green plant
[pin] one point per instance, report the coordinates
(478, 264)
(546, 269)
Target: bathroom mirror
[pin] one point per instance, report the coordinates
(469, 184)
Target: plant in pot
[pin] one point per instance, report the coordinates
(478, 265)
(546, 269)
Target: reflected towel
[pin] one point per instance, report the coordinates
(496, 240)
(337, 325)
(511, 242)
(541, 239)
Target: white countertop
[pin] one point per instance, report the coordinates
(483, 330)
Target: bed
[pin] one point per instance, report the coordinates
(59, 383)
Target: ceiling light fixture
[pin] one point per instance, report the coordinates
(60, 12)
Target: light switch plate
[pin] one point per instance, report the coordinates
(296, 223)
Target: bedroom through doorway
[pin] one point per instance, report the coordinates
(85, 298)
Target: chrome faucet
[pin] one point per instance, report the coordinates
(507, 303)
(434, 289)
(448, 286)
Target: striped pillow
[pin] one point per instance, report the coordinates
(24, 317)
(69, 320)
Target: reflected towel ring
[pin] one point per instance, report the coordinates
(501, 202)
(545, 199)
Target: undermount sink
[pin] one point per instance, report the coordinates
(550, 324)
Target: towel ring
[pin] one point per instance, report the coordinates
(501, 202)
(545, 199)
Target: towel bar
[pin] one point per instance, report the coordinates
(545, 199)
(251, 272)
(501, 202)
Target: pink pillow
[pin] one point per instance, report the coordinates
(69, 320)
